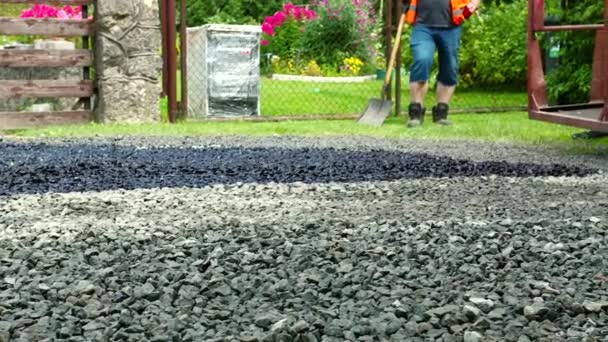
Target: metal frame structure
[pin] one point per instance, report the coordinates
(592, 115)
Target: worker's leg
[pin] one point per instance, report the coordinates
(448, 45)
(423, 51)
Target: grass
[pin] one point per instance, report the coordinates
(303, 98)
(280, 98)
(510, 127)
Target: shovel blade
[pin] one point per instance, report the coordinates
(376, 112)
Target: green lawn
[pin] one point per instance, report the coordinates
(304, 98)
(512, 127)
(281, 98)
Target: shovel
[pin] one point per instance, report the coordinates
(379, 109)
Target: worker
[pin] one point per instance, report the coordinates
(437, 26)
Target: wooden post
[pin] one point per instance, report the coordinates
(389, 37)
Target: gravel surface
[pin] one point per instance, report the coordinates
(337, 239)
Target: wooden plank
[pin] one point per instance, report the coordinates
(46, 88)
(50, 27)
(50, 2)
(45, 58)
(19, 120)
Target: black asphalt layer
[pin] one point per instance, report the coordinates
(41, 168)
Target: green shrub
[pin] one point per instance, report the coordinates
(494, 47)
(287, 40)
(332, 36)
(202, 12)
(342, 30)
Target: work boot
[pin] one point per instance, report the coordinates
(416, 115)
(440, 114)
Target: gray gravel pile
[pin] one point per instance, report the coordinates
(484, 258)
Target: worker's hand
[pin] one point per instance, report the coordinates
(470, 9)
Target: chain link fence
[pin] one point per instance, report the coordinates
(228, 76)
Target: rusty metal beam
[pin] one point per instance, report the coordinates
(570, 28)
(569, 120)
(537, 92)
(163, 26)
(172, 60)
(183, 61)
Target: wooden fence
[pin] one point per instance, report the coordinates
(83, 88)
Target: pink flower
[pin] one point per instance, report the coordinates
(62, 15)
(46, 11)
(288, 8)
(28, 13)
(265, 42)
(268, 29)
(310, 14)
(278, 18)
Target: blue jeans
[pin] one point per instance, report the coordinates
(424, 41)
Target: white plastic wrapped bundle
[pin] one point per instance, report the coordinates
(223, 71)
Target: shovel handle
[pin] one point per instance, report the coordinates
(391, 62)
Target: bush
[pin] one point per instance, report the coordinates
(282, 32)
(334, 40)
(342, 30)
(202, 12)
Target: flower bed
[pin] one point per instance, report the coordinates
(324, 39)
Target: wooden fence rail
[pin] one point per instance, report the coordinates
(33, 58)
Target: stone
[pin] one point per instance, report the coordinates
(524, 338)
(472, 336)
(84, 287)
(279, 326)
(5, 331)
(127, 63)
(441, 311)
(143, 291)
(595, 306)
(265, 320)
(392, 327)
(300, 326)
(497, 313)
(484, 304)
(535, 311)
(308, 337)
(472, 312)
(93, 325)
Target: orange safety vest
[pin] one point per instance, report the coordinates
(457, 7)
